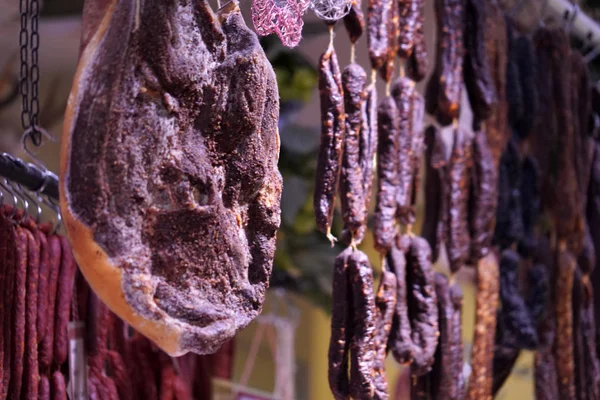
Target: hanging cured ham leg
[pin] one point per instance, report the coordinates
(170, 189)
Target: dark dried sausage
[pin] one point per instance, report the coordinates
(385, 301)
(364, 326)
(354, 80)
(379, 12)
(354, 21)
(422, 304)
(434, 227)
(516, 319)
(445, 86)
(384, 224)
(332, 140)
(477, 73)
(341, 328)
(402, 91)
(400, 341)
(457, 190)
(482, 210)
(418, 62)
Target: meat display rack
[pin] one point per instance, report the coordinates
(29, 176)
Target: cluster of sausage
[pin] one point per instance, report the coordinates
(44, 294)
(38, 271)
(515, 198)
(545, 221)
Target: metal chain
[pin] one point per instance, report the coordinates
(24, 72)
(30, 75)
(36, 135)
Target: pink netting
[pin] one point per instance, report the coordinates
(283, 17)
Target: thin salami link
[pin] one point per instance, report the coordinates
(332, 139)
(418, 145)
(434, 227)
(44, 388)
(418, 62)
(516, 320)
(563, 341)
(402, 91)
(341, 328)
(387, 70)
(445, 85)
(384, 224)
(400, 341)
(364, 321)
(64, 295)
(379, 12)
(31, 375)
(446, 371)
(457, 190)
(167, 381)
(477, 73)
(111, 391)
(59, 388)
(368, 149)
(46, 348)
(409, 18)
(482, 212)
(120, 375)
(422, 304)
(486, 305)
(5, 308)
(42, 296)
(19, 315)
(354, 21)
(385, 301)
(354, 80)
(368, 142)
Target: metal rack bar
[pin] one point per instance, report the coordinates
(29, 176)
(582, 26)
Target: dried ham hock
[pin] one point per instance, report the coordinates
(169, 184)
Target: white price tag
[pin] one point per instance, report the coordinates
(77, 362)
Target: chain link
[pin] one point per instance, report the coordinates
(34, 109)
(24, 71)
(29, 42)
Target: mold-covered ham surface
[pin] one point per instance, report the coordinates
(169, 183)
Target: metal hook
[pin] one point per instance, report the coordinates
(47, 175)
(589, 57)
(23, 200)
(15, 201)
(25, 194)
(56, 210)
(27, 134)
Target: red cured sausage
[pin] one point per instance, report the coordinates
(59, 388)
(46, 347)
(64, 294)
(31, 371)
(42, 296)
(18, 321)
